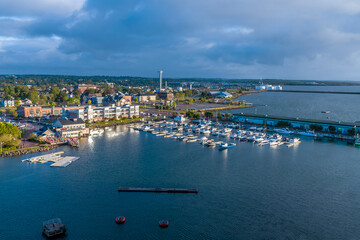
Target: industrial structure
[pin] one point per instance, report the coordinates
(160, 79)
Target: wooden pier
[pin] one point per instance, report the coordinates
(310, 91)
(159, 190)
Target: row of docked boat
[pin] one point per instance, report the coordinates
(184, 132)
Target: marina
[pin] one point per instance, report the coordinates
(225, 131)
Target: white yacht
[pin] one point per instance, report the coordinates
(206, 131)
(259, 139)
(274, 142)
(294, 140)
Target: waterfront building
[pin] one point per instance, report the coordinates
(87, 113)
(38, 111)
(299, 123)
(47, 133)
(94, 114)
(70, 128)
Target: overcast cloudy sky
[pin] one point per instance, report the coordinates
(297, 39)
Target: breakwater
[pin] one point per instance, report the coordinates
(23, 151)
(326, 92)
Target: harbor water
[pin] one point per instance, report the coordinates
(341, 107)
(310, 191)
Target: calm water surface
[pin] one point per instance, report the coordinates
(342, 107)
(249, 192)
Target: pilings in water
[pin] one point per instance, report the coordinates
(159, 190)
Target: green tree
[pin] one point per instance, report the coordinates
(332, 129)
(351, 132)
(34, 97)
(62, 97)
(282, 124)
(21, 91)
(9, 91)
(316, 128)
(43, 99)
(179, 95)
(55, 91)
(209, 114)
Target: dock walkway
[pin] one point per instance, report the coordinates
(159, 190)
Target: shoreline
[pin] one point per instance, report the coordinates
(44, 148)
(24, 151)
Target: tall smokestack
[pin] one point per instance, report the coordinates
(160, 78)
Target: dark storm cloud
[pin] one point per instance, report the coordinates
(296, 39)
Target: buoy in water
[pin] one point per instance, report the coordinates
(164, 223)
(120, 219)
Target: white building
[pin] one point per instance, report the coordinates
(221, 94)
(269, 87)
(7, 103)
(94, 114)
(70, 128)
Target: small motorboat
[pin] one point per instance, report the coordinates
(163, 223)
(224, 146)
(53, 227)
(120, 219)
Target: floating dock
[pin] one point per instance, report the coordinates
(64, 162)
(159, 190)
(52, 157)
(56, 158)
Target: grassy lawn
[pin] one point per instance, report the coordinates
(110, 122)
(4, 109)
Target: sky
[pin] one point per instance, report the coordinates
(297, 39)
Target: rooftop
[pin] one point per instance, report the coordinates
(65, 122)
